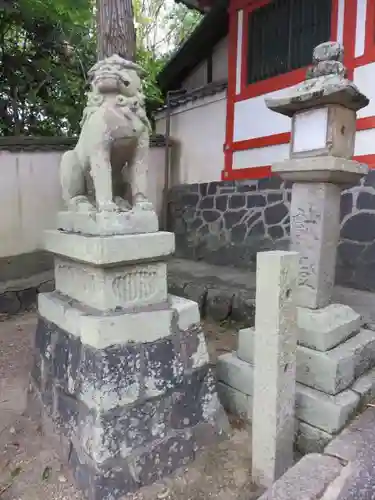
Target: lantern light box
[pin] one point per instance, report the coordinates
(323, 131)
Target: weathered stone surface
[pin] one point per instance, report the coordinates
(100, 331)
(243, 308)
(346, 204)
(98, 251)
(198, 293)
(112, 288)
(328, 413)
(235, 402)
(366, 201)
(99, 483)
(331, 371)
(328, 51)
(356, 440)
(66, 413)
(359, 227)
(168, 456)
(219, 304)
(103, 223)
(322, 329)
(335, 370)
(315, 235)
(310, 439)
(235, 373)
(274, 365)
(308, 479)
(364, 386)
(66, 361)
(9, 303)
(274, 214)
(245, 347)
(352, 270)
(135, 412)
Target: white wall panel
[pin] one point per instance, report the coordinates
(253, 119)
(239, 51)
(360, 28)
(340, 21)
(260, 156)
(365, 142)
(364, 78)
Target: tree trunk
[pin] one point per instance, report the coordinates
(115, 29)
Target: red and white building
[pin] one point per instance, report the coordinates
(258, 48)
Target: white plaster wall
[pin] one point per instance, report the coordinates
(220, 61)
(198, 129)
(30, 196)
(364, 78)
(253, 119)
(340, 21)
(365, 142)
(260, 157)
(197, 78)
(359, 47)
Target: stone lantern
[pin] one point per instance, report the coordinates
(335, 355)
(323, 110)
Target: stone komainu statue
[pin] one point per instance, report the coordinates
(112, 149)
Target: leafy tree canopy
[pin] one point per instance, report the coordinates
(47, 47)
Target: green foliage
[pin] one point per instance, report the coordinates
(47, 47)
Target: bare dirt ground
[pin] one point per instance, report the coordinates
(30, 468)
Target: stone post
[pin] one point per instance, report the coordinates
(274, 366)
(323, 111)
(121, 368)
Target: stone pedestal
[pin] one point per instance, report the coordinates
(315, 231)
(121, 369)
(335, 357)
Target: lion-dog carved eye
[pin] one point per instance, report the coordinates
(126, 83)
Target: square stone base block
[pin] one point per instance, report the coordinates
(134, 221)
(319, 416)
(330, 371)
(130, 412)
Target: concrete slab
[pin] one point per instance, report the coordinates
(357, 440)
(307, 480)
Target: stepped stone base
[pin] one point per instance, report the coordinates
(128, 414)
(121, 373)
(332, 384)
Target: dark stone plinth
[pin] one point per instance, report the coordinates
(129, 414)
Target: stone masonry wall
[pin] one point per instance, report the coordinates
(227, 223)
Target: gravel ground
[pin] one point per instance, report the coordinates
(30, 468)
